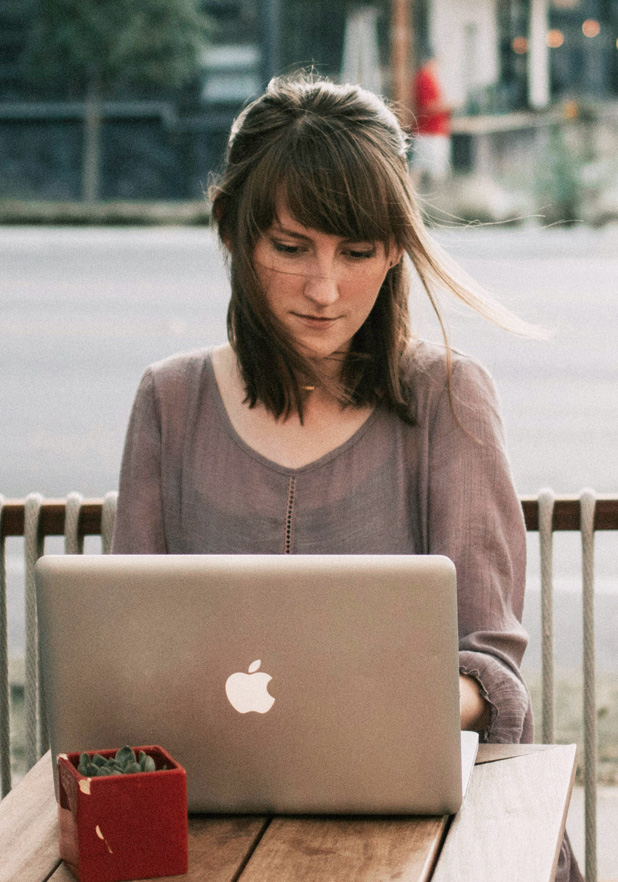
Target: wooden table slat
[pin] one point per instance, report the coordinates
(508, 821)
(218, 848)
(359, 849)
(28, 828)
(491, 753)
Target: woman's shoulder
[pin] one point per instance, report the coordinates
(173, 383)
(181, 369)
(468, 388)
(181, 362)
(427, 363)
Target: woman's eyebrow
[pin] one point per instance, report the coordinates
(278, 228)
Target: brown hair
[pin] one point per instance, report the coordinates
(336, 156)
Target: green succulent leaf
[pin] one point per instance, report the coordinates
(126, 755)
(98, 760)
(147, 764)
(91, 770)
(132, 768)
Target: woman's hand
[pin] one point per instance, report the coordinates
(473, 707)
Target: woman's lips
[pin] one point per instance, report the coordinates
(316, 321)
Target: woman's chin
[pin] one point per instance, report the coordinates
(317, 350)
(325, 359)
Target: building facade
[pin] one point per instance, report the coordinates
(498, 56)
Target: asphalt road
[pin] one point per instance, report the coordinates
(84, 311)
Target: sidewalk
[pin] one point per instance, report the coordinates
(607, 829)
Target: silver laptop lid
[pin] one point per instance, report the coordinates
(282, 683)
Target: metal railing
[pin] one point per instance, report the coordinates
(36, 518)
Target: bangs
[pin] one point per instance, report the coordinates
(336, 182)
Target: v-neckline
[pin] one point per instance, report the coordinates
(272, 464)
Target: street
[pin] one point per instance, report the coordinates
(84, 311)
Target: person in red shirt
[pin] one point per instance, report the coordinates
(431, 130)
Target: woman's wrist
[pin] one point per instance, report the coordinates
(473, 708)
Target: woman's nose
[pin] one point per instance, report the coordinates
(321, 289)
(321, 285)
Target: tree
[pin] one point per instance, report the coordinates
(96, 47)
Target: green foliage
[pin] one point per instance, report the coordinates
(110, 43)
(125, 762)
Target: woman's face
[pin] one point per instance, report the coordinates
(319, 286)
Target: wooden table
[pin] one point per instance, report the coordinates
(509, 828)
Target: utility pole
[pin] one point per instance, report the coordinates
(402, 57)
(270, 39)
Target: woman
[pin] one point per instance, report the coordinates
(323, 427)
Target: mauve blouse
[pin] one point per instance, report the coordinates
(190, 485)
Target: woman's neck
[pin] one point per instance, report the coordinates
(325, 426)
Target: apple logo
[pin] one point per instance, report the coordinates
(249, 692)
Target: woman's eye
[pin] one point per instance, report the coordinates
(361, 254)
(283, 248)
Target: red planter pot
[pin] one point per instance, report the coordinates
(122, 827)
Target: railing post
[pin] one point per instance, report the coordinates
(588, 505)
(108, 516)
(5, 728)
(34, 549)
(73, 542)
(546, 513)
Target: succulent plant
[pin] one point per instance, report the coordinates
(124, 763)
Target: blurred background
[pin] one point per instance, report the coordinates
(133, 99)
(114, 115)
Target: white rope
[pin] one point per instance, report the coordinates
(546, 510)
(108, 516)
(587, 509)
(73, 542)
(5, 729)
(33, 550)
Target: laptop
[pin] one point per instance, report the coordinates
(282, 683)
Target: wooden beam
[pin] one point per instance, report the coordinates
(52, 517)
(566, 515)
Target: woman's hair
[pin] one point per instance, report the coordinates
(336, 157)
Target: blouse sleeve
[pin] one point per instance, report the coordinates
(138, 528)
(475, 518)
